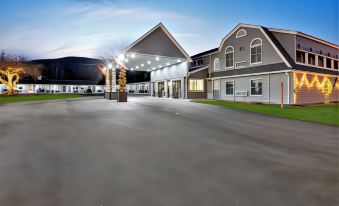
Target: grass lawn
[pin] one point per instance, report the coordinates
(325, 113)
(24, 98)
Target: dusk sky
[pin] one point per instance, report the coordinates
(94, 28)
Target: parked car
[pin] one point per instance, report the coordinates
(40, 90)
(88, 91)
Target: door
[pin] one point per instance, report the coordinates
(160, 89)
(216, 84)
(176, 89)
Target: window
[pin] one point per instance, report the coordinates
(300, 57)
(196, 85)
(329, 63)
(216, 64)
(229, 57)
(256, 87)
(311, 59)
(320, 61)
(256, 47)
(200, 62)
(335, 64)
(229, 87)
(241, 33)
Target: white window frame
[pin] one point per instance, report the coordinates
(262, 88)
(203, 85)
(251, 46)
(226, 88)
(226, 56)
(214, 62)
(239, 36)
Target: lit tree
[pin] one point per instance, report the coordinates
(13, 67)
(122, 79)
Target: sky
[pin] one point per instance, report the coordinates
(98, 28)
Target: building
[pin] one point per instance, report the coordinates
(160, 54)
(258, 64)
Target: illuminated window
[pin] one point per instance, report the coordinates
(229, 57)
(256, 51)
(241, 33)
(256, 87)
(329, 63)
(216, 64)
(321, 61)
(311, 59)
(229, 87)
(196, 85)
(300, 57)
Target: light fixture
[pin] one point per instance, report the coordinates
(142, 65)
(121, 57)
(137, 67)
(110, 66)
(160, 66)
(148, 62)
(148, 70)
(167, 64)
(133, 55)
(132, 69)
(117, 66)
(153, 68)
(157, 58)
(178, 60)
(126, 60)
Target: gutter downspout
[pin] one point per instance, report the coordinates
(186, 86)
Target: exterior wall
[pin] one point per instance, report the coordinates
(171, 73)
(307, 91)
(52, 88)
(288, 41)
(209, 89)
(271, 84)
(306, 43)
(195, 94)
(139, 88)
(269, 54)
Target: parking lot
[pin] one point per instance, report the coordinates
(93, 152)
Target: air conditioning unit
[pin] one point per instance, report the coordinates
(241, 93)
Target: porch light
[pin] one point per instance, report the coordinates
(142, 65)
(160, 66)
(153, 68)
(133, 56)
(148, 62)
(178, 60)
(167, 64)
(110, 66)
(157, 58)
(126, 60)
(148, 70)
(137, 67)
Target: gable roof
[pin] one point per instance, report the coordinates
(168, 35)
(201, 54)
(283, 55)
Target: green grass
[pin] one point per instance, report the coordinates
(24, 98)
(324, 113)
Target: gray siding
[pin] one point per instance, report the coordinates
(269, 54)
(157, 43)
(316, 46)
(270, 88)
(288, 41)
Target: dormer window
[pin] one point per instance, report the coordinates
(241, 33)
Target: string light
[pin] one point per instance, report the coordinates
(326, 86)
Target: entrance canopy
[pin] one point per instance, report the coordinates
(156, 49)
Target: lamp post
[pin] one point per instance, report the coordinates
(110, 80)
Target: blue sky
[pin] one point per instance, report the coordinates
(95, 28)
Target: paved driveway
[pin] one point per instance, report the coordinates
(156, 152)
